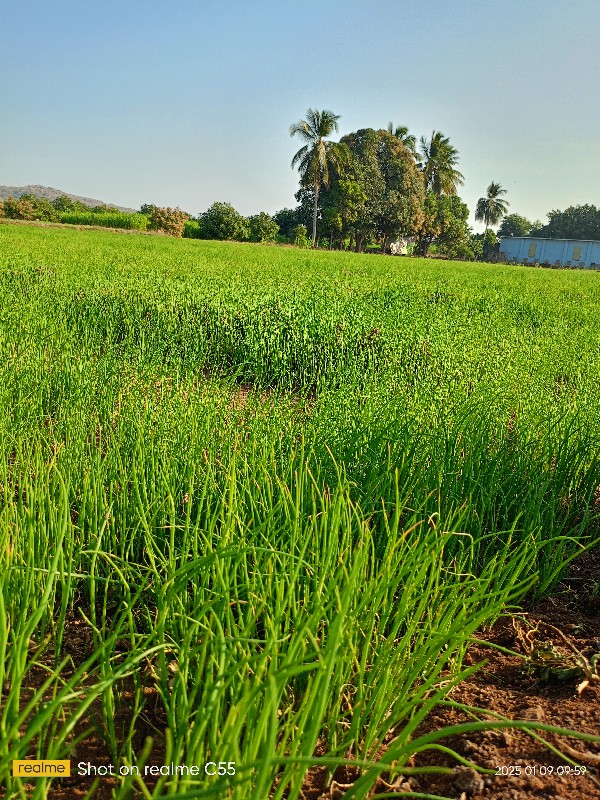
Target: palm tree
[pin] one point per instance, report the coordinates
(407, 139)
(492, 208)
(317, 155)
(439, 160)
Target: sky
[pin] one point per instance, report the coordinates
(184, 103)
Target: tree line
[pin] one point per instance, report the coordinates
(363, 192)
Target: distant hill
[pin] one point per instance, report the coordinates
(51, 194)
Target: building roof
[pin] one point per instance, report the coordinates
(545, 239)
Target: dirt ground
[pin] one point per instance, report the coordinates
(541, 687)
(544, 683)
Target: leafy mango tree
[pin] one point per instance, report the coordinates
(263, 228)
(391, 186)
(222, 221)
(445, 223)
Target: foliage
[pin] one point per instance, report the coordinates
(385, 194)
(239, 475)
(515, 225)
(317, 155)
(30, 207)
(476, 245)
(408, 140)
(221, 221)
(438, 162)
(300, 237)
(575, 222)
(445, 223)
(168, 220)
(490, 244)
(118, 219)
(102, 208)
(192, 229)
(64, 203)
(263, 228)
(491, 208)
(287, 219)
(485, 245)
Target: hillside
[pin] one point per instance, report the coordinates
(50, 194)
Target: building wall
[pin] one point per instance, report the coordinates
(551, 252)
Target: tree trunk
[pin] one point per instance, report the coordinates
(384, 244)
(314, 227)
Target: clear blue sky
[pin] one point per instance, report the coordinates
(184, 103)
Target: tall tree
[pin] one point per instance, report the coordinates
(391, 186)
(317, 154)
(438, 163)
(401, 133)
(491, 208)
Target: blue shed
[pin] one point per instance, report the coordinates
(581, 253)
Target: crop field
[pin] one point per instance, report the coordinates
(255, 501)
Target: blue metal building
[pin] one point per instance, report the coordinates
(580, 253)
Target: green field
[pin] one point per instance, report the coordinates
(256, 499)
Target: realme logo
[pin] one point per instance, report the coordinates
(41, 769)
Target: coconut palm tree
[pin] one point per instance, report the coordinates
(492, 208)
(318, 154)
(438, 163)
(407, 139)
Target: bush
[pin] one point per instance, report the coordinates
(300, 237)
(223, 222)
(30, 207)
(192, 229)
(461, 252)
(263, 228)
(168, 220)
(137, 222)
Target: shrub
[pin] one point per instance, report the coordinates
(168, 220)
(263, 228)
(192, 229)
(23, 208)
(300, 237)
(223, 222)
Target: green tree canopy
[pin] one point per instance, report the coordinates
(445, 223)
(317, 155)
(387, 197)
(408, 140)
(222, 221)
(64, 203)
(515, 225)
(438, 162)
(491, 208)
(31, 207)
(575, 222)
(263, 228)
